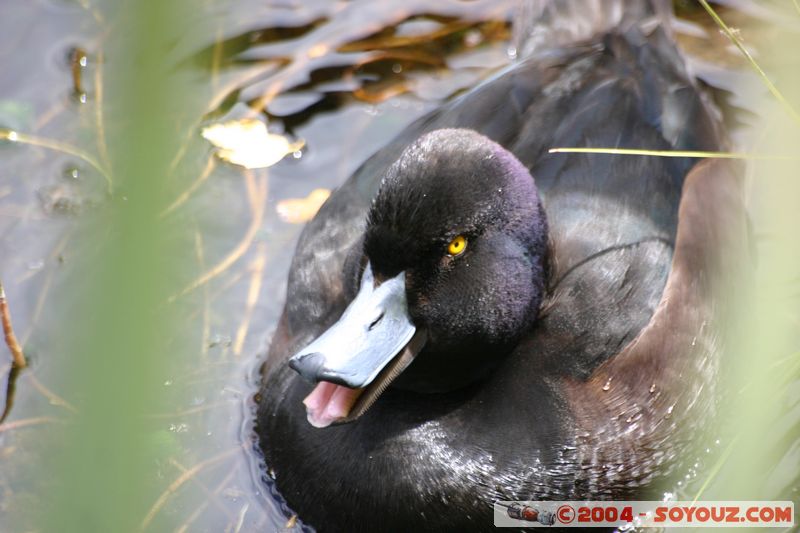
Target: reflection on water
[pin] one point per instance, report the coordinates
(343, 76)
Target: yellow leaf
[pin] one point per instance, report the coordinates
(299, 210)
(247, 143)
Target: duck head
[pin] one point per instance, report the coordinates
(452, 274)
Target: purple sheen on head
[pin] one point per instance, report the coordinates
(475, 306)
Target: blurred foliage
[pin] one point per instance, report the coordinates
(116, 324)
(762, 418)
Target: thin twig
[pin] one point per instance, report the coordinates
(8, 331)
(51, 396)
(58, 249)
(672, 153)
(257, 193)
(215, 101)
(211, 495)
(26, 213)
(236, 527)
(200, 508)
(201, 262)
(52, 112)
(202, 371)
(102, 146)
(229, 282)
(25, 422)
(195, 514)
(183, 478)
(180, 200)
(256, 277)
(85, 4)
(191, 131)
(738, 43)
(190, 411)
(216, 59)
(244, 78)
(58, 146)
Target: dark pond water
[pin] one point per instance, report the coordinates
(343, 76)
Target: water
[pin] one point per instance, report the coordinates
(343, 76)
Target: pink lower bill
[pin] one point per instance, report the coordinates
(329, 403)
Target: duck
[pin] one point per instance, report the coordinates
(471, 318)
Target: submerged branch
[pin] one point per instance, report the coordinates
(8, 331)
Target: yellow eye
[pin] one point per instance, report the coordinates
(457, 246)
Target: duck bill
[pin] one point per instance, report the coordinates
(357, 358)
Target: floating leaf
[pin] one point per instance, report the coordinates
(299, 210)
(247, 143)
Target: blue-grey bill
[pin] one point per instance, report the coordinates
(373, 329)
(358, 357)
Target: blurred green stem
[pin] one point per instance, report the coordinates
(104, 466)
